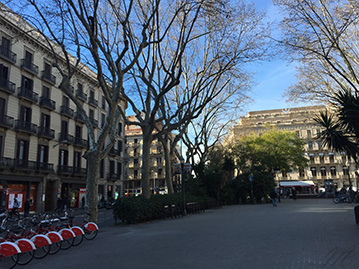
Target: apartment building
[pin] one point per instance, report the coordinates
(325, 166)
(134, 164)
(42, 137)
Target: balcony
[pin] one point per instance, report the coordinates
(6, 121)
(66, 138)
(66, 111)
(64, 170)
(26, 127)
(29, 66)
(6, 163)
(78, 171)
(79, 142)
(45, 167)
(7, 86)
(28, 95)
(46, 132)
(47, 103)
(94, 122)
(113, 176)
(93, 101)
(25, 165)
(47, 76)
(7, 54)
(113, 152)
(78, 117)
(81, 95)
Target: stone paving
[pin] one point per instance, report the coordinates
(307, 233)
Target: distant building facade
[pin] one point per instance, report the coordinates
(42, 137)
(134, 153)
(325, 166)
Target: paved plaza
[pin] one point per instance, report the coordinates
(306, 233)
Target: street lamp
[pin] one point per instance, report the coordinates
(183, 187)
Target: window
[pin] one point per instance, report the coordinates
(319, 144)
(78, 131)
(4, 74)
(135, 141)
(2, 107)
(298, 133)
(119, 146)
(310, 144)
(47, 69)
(46, 92)
(135, 162)
(321, 158)
(311, 159)
(318, 132)
(92, 95)
(135, 173)
(134, 152)
(25, 114)
(65, 101)
(77, 159)
(309, 133)
(345, 170)
(27, 83)
(284, 174)
(333, 171)
(323, 171)
(103, 119)
(301, 172)
(5, 45)
(28, 58)
(1, 145)
(64, 127)
(313, 170)
(80, 87)
(42, 156)
(159, 160)
(160, 172)
(112, 167)
(119, 131)
(102, 169)
(331, 158)
(103, 104)
(119, 169)
(45, 120)
(64, 157)
(91, 114)
(22, 153)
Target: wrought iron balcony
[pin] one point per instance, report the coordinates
(64, 170)
(7, 86)
(81, 95)
(6, 121)
(29, 66)
(80, 171)
(7, 54)
(27, 165)
(46, 132)
(66, 138)
(93, 101)
(47, 103)
(113, 176)
(28, 95)
(66, 111)
(80, 142)
(26, 126)
(113, 152)
(45, 167)
(94, 122)
(47, 76)
(78, 117)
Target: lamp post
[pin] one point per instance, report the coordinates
(183, 187)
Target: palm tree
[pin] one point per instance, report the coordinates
(341, 131)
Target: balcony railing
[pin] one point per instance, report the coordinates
(66, 138)
(47, 76)
(81, 95)
(29, 95)
(6, 121)
(66, 111)
(94, 122)
(80, 171)
(26, 126)
(80, 142)
(45, 167)
(25, 165)
(113, 152)
(64, 170)
(78, 117)
(93, 101)
(29, 66)
(46, 132)
(7, 86)
(113, 176)
(47, 103)
(7, 54)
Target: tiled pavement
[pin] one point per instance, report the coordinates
(308, 233)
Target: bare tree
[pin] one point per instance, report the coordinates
(323, 36)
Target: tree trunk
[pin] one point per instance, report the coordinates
(91, 203)
(168, 165)
(146, 164)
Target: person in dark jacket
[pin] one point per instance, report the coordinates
(273, 196)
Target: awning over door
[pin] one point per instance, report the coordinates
(296, 183)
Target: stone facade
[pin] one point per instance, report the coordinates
(325, 165)
(42, 139)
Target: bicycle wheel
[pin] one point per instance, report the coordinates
(67, 243)
(78, 240)
(349, 200)
(9, 261)
(41, 252)
(26, 257)
(336, 200)
(89, 235)
(55, 247)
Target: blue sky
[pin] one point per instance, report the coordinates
(271, 78)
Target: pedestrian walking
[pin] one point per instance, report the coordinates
(60, 205)
(273, 196)
(15, 208)
(294, 193)
(83, 202)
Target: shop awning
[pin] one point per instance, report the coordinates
(296, 183)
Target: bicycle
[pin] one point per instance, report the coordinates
(9, 255)
(90, 228)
